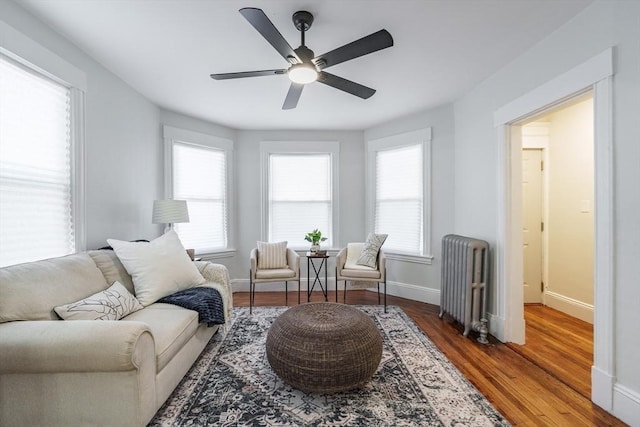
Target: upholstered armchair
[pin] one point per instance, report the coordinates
(273, 262)
(347, 269)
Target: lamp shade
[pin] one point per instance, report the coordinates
(169, 211)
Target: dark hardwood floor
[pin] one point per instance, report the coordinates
(522, 391)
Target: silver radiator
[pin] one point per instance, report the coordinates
(463, 293)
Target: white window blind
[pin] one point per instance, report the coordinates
(399, 198)
(300, 197)
(35, 166)
(200, 178)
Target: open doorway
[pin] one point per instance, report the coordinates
(558, 240)
(558, 207)
(507, 323)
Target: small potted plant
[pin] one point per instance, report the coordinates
(315, 237)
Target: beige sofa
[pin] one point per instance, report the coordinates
(91, 372)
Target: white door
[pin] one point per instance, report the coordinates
(532, 226)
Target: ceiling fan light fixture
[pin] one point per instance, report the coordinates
(302, 73)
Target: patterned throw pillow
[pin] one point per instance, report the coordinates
(113, 303)
(272, 255)
(370, 250)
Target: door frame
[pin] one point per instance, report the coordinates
(508, 322)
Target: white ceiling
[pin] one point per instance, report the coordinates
(166, 49)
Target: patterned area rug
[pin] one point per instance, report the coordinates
(232, 384)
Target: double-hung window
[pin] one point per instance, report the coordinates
(398, 192)
(299, 191)
(41, 181)
(199, 172)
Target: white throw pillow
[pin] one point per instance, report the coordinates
(369, 255)
(158, 268)
(272, 255)
(113, 303)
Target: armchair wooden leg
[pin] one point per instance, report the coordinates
(286, 293)
(298, 289)
(336, 276)
(378, 292)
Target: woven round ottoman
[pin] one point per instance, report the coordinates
(324, 347)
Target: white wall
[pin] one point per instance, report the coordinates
(420, 281)
(601, 25)
(123, 141)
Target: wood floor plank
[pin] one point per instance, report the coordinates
(560, 344)
(510, 378)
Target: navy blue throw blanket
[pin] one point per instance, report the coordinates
(206, 301)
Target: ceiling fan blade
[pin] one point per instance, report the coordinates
(264, 26)
(291, 101)
(345, 85)
(369, 44)
(226, 76)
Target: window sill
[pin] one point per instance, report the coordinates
(416, 259)
(209, 256)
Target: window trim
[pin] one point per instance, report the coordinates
(22, 50)
(299, 147)
(184, 136)
(421, 136)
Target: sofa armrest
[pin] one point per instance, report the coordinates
(217, 277)
(73, 346)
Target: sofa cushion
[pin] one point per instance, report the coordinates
(113, 303)
(112, 269)
(30, 291)
(158, 268)
(171, 326)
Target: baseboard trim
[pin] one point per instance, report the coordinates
(398, 289)
(568, 305)
(496, 326)
(626, 405)
(602, 388)
(413, 292)
(242, 285)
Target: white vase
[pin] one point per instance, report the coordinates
(315, 248)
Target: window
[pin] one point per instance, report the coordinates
(199, 174)
(300, 189)
(41, 213)
(398, 203)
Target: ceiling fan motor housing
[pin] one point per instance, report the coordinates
(302, 20)
(305, 54)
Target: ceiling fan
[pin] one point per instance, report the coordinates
(306, 68)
